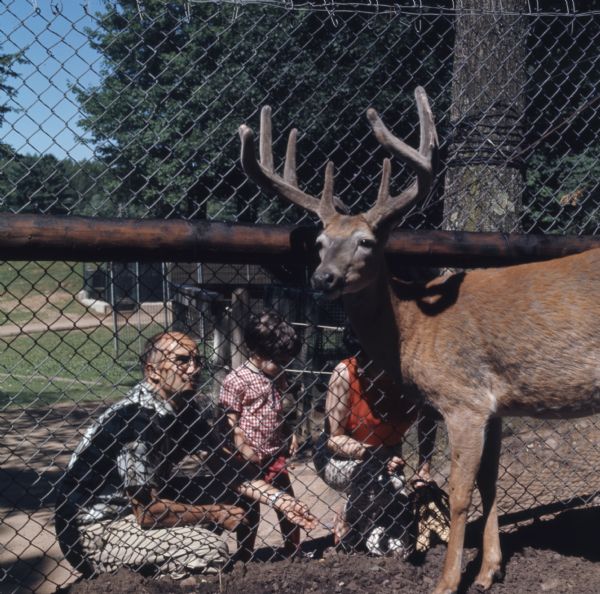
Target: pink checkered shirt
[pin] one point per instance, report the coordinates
(250, 393)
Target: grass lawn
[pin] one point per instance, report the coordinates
(42, 368)
(64, 367)
(51, 367)
(19, 278)
(39, 290)
(70, 366)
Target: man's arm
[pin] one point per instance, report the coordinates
(240, 476)
(151, 511)
(294, 510)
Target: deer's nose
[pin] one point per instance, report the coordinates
(325, 280)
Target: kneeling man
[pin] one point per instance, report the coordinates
(118, 504)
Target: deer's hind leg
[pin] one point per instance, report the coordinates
(486, 482)
(466, 434)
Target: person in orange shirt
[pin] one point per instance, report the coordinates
(360, 454)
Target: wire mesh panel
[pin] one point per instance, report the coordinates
(131, 109)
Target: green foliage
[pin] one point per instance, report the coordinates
(47, 185)
(38, 184)
(178, 79)
(7, 64)
(175, 89)
(563, 192)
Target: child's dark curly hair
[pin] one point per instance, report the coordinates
(269, 335)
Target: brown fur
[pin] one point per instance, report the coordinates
(522, 340)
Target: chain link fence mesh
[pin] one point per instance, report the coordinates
(130, 109)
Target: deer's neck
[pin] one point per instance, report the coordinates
(375, 316)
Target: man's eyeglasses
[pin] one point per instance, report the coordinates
(185, 360)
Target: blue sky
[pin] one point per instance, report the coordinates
(52, 34)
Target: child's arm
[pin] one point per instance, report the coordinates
(290, 438)
(294, 445)
(289, 422)
(239, 439)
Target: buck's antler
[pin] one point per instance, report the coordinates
(421, 161)
(263, 172)
(385, 207)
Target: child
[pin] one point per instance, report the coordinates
(251, 396)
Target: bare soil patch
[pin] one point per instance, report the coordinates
(557, 556)
(546, 467)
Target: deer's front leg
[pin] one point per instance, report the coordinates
(486, 481)
(466, 434)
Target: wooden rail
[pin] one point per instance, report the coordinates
(87, 239)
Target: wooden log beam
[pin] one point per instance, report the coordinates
(90, 239)
(87, 239)
(479, 250)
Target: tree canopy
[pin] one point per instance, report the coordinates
(178, 79)
(7, 72)
(176, 87)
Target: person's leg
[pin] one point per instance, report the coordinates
(68, 535)
(176, 552)
(246, 533)
(336, 473)
(289, 531)
(399, 518)
(200, 490)
(340, 525)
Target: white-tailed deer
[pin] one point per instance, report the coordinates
(521, 340)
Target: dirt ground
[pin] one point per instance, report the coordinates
(557, 556)
(546, 468)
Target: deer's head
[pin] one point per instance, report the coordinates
(350, 246)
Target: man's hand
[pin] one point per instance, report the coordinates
(248, 453)
(297, 512)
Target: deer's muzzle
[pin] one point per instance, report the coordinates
(327, 281)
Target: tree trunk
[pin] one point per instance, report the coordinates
(484, 182)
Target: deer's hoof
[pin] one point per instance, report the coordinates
(442, 588)
(485, 579)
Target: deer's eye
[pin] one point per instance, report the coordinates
(366, 243)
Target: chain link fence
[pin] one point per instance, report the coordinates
(131, 108)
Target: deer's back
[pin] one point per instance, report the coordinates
(519, 340)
